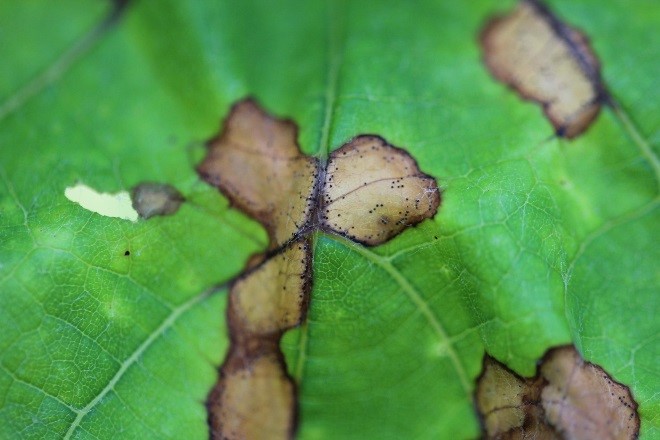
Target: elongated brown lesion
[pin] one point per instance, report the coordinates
(369, 191)
(255, 397)
(254, 400)
(273, 296)
(547, 61)
(568, 398)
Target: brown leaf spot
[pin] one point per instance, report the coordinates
(373, 191)
(546, 61)
(254, 397)
(271, 298)
(151, 199)
(500, 398)
(568, 398)
(257, 164)
(254, 400)
(582, 401)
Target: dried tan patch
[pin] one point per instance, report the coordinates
(271, 297)
(369, 191)
(500, 398)
(373, 191)
(583, 401)
(151, 199)
(257, 164)
(255, 398)
(568, 398)
(546, 61)
(255, 401)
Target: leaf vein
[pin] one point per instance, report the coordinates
(135, 356)
(421, 304)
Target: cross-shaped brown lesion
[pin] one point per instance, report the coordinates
(367, 190)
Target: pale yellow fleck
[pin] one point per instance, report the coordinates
(116, 205)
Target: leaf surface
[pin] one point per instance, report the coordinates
(538, 241)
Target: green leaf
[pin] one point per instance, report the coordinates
(538, 241)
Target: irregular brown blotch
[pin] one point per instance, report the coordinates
(254, 397)
(568, 398)
(257, 164)
(582, 401)
(151, 199)
(255, 400)
(368, 191)
(546, 61)
(500, 398)
(373, 191)
(271, 297)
